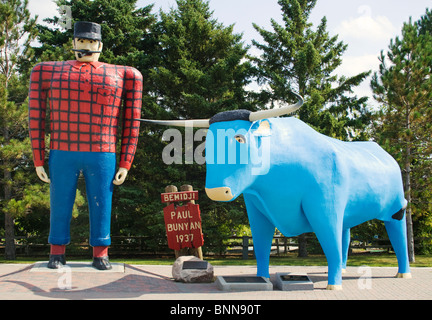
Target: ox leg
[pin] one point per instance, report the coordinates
(331, 244)
(262, 235)
(329, 234)
(396, 230)
(346, 240)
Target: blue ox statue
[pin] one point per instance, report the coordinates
(305, 182)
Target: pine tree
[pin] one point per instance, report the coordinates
(295, 57)
(423, 185)
(202, 71)
(403, 87)
(16, 32)
(124, 28)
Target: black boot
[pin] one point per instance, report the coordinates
(101, 263)
(56, 261)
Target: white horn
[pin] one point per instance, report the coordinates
(272, 113)
(180, 123)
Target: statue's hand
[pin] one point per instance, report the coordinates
(120, 176)
(42, 174)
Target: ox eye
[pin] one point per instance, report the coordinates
(240, 138)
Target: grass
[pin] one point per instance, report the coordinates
(369, 259)
(372, 260)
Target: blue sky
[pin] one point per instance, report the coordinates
(365, 25)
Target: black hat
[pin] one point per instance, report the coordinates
(87, 30)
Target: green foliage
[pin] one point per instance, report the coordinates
(17, 30)
(200, 71)
(124, 29)
(295, 57)
(403, 87)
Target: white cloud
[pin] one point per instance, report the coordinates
(366, 26)
(353, 65)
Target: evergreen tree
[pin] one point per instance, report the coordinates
(295, 57)
(124, 30)
(425, 22)
(403, 87)
(423, 189)
(17, 30)
(201, 71)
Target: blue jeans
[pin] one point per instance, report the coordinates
(98, 169)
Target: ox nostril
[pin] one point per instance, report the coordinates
(220, 194)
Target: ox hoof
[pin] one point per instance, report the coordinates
(334, 287)
(404, 275)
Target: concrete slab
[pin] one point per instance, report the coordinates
(243, 283)
(75, 266)
(289, 281)
(155, 282)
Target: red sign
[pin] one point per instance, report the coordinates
(183, 226)
(179, 196)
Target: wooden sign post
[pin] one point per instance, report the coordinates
(183, 223)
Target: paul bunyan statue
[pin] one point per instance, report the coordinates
(85, 98)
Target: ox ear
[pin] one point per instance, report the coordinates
(261, 128)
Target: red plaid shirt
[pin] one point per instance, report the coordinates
(85, 100)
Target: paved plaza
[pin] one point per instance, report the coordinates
(79, 281)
